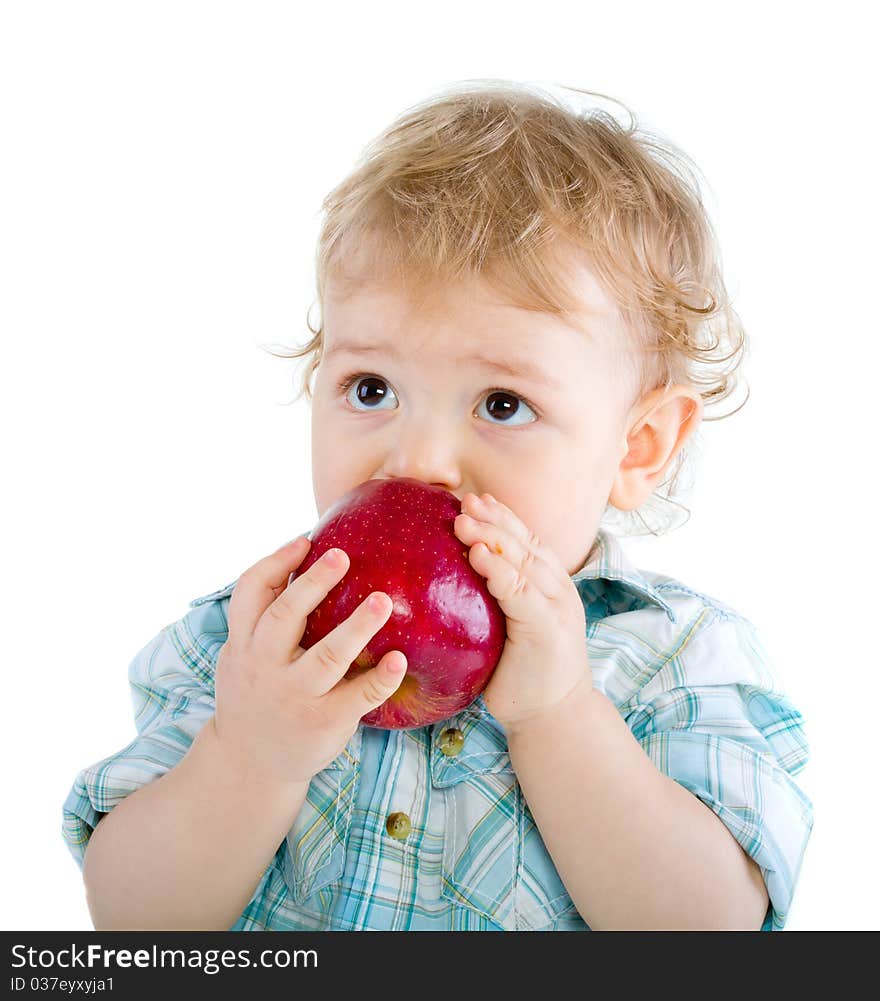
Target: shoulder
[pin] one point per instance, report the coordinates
(215, 596)
(707, 672)
(716, 644)
(676, 636)
(184, 651)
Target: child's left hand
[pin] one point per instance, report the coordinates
(545, 657)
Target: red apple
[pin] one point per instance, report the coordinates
(400, 539)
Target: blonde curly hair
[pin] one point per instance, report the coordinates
(494, 178)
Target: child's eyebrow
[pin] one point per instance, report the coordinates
(514, 367)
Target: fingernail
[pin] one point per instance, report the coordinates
(377, 603)
(333, 558)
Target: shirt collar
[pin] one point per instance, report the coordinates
(607, 561)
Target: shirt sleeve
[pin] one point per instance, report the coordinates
(172, 691)
(713, 719)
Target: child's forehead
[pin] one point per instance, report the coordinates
(396, 303)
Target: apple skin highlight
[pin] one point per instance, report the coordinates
(400, 538)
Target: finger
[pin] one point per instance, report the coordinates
(259, 585)
(359, 695)
(515, 591)
(527, 560)
(322, 666)
(283, 622)
(486, 508)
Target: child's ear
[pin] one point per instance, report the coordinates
(667, 417)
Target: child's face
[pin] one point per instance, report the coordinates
(470, 393)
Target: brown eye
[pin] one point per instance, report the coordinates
(370, 392)
(502, 406)
(506, 408)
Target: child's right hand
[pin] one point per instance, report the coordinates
(284, 713)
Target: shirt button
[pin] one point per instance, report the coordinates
(451, 741)
(398, 826)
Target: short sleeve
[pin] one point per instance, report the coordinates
(172, 691)
(713, 719)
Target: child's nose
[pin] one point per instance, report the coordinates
(427, 451)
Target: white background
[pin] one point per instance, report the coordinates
(161, 177)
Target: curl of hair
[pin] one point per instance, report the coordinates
(505, 181)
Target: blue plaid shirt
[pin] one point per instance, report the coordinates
(688, 675)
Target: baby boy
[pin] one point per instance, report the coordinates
(523, 305)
